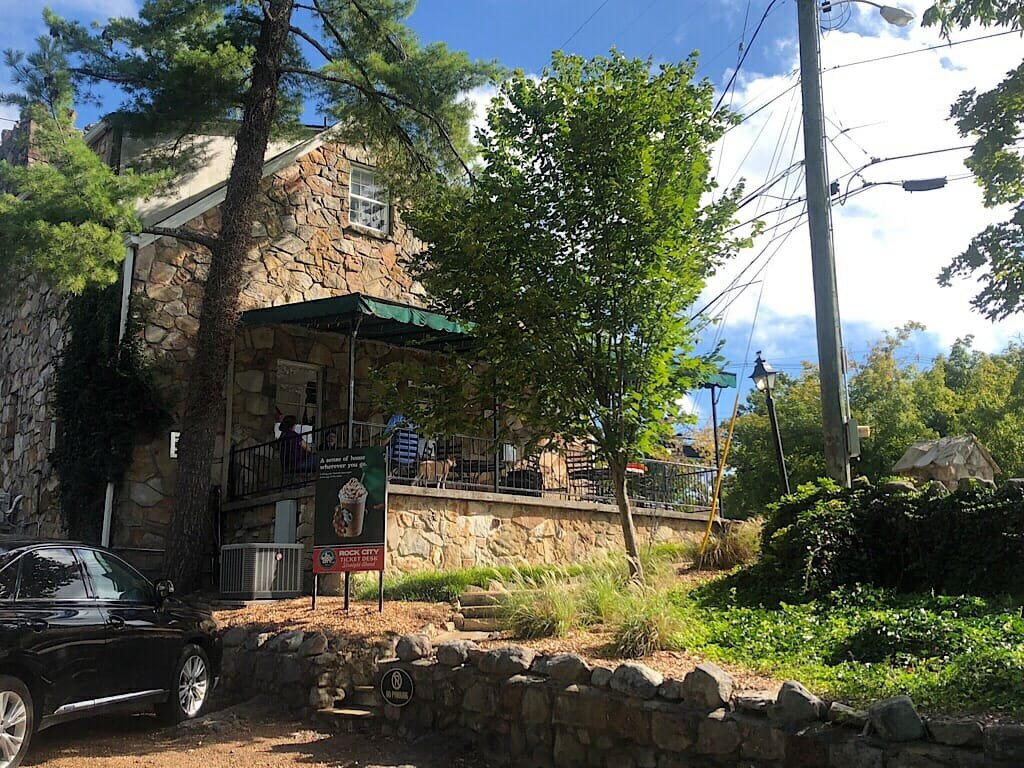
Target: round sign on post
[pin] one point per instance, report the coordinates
(396, 687)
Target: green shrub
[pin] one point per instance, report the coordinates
(823, 537)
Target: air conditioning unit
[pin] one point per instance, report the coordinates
(260, 571)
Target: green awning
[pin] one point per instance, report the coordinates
(381, 320)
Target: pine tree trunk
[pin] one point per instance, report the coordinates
(191, 520)
(617, 466)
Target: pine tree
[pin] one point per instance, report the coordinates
(183, 63)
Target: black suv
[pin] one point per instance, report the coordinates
(82, 632)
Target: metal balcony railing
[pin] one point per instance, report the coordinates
(470, 462)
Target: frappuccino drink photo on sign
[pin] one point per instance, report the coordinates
(349, 521)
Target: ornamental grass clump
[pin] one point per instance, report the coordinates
(547, 605)
(740, 544)
(648, 622)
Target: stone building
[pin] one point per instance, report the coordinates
(326, 301)
(947, 459)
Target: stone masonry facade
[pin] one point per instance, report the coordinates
(31, 337)
(304, 248)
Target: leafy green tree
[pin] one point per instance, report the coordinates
(63, 217)
(970, 391)
(575, 253)
(883, 396)
(183, 63)
(964, 392)
(995, 120)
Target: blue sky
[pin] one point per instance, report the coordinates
(890, 245)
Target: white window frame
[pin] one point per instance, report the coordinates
(352, 215)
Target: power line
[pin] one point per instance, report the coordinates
(922, 50)
(743, 58)
(579, 29)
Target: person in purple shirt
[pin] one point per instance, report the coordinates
(296, 453)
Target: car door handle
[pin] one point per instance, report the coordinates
(116, 622)
(37, 625)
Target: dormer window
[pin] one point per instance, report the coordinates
(368, 200)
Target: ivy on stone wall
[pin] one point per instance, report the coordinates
(105, 399)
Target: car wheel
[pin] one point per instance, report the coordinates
(17, 721)
(190, 687)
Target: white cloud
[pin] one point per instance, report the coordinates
(481, 98)
(890, 245)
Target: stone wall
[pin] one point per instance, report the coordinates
(257, 352)
(31, 338)
(523, 709)
(304, 248)
(431, 528)
(301, 671)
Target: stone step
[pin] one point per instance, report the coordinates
(349, 712)
(363, 696)
(481, 598)
(480, 611)
(483, 625)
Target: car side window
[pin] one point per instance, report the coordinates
(113, 580)
(9, 581)
(51, 574)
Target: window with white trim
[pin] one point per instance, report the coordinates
(367, 200)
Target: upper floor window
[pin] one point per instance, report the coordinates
(367, 200)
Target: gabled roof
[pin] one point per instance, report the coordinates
(943, 452)
(179, 212)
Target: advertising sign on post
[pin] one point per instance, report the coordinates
(350, 513)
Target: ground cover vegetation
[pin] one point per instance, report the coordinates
(858, 593)
(960, 392)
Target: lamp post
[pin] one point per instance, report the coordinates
(834, 407)
(764, 379)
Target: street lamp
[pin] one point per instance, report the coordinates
(764, 379)
(895, 16)
(834, 406)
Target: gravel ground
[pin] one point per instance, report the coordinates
(243, 736)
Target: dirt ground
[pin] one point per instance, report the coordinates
(330, 617)
(243, 736)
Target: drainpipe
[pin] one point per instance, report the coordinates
(127, 276)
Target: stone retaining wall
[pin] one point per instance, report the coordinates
(524, 709)
(432, 528)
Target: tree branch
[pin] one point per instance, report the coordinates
(403, 56)
(110, 78)
(371, 91)
(182, 233)
(312, 41)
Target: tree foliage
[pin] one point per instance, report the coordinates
(65, 217)
(245, 64)
(576, 251)
(994, 119)
(963, 392)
